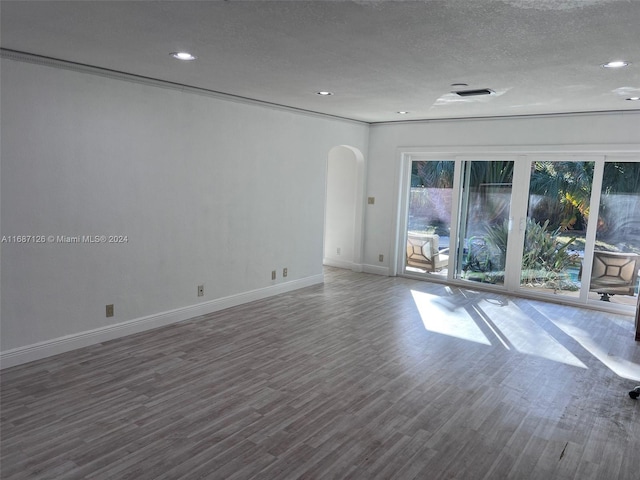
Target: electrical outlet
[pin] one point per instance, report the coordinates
(381, 258)
(273, 275)
(338, 250)
(110, 310)
(201, 290)
(285, 271)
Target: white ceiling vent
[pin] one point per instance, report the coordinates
(474, 93)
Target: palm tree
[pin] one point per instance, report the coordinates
(621, 177)
(565, 188)
(432, 174)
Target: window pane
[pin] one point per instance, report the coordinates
(486, 201)
(557, 215)
(429, 221)
(615, 265)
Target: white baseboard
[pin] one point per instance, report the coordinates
(37, 351)
(333, 262)
(375, 270)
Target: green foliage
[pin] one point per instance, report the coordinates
(566, 191)
(497, 236)
(545, 260)
(499, 172)
(432, 174)
(621, 177)
(544, 251)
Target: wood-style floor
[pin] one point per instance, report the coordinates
(364, 377)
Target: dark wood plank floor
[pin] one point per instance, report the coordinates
(364, 377)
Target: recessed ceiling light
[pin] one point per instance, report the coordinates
(324, 94)
(459, 84)
(183, 55)
(633, 99)
(402, 112)
(616, 64)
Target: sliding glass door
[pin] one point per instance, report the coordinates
(616, 256)
(429, 217)
(484, 220)
(566, 226)
(555, 226)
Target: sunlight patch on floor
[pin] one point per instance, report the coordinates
(525, 335)
(620, 366)
(484, 321)
(440, 317)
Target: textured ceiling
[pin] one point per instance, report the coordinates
(377, 57)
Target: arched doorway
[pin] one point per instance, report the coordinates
(344, 208)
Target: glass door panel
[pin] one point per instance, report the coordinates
(556, 225)
(429, 217)
(570, 228)
(616, 259)
(484, 221)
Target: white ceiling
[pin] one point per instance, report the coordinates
(377, 57)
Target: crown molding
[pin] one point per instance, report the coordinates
(129, 77)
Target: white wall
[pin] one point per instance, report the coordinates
(208, 191)
(616, 130)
